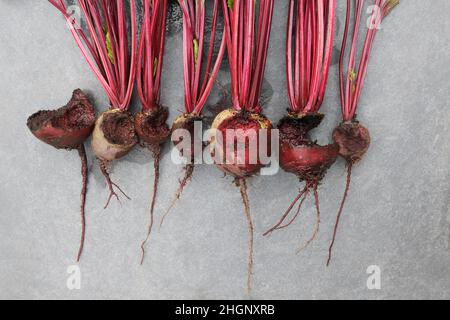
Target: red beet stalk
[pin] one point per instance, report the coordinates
(353, 138)
(106, 50)
(310, 34)
(200, 69)
(150, 123)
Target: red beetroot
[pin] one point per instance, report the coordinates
(353, 138)
(308, 62)
(107, 53)
(249, 124)
(200, 72)
(68, 128)
(247, 32)
(150, 123)
(299, 154)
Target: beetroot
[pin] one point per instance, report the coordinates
(201, 67)
(247, 32)
(114, 136)
(308, 62)
(299, 154)
(106, 50)
(68, 128)
(150, 124)
(353, 138)
(248, 123)
(151, 127)
(184, 122)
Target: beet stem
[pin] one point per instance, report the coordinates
(84, 174)
(277, 226)
(317, 227)
(188, 171)
(111, 184)
(157, 158)
(243, 189)
(347, 187)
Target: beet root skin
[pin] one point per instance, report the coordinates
(353, 140)
(67, 127)
(298, 154)
(151, 126)
(186, 121)
(114, 135)
(231, 119)
(309, 163)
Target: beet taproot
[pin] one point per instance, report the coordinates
(68, 128)
(309, 47)
(247, 35)
(353, 138)
(201, 65)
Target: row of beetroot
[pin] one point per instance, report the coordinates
(124, 56)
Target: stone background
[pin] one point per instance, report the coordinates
(397, 216)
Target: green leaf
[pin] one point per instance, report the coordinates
(230, 4)
(155, 67)
(109, 49)
(352, 75)
(195, 50)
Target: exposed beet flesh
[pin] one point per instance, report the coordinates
(114, 135)
(118, 128)
(246, 126)
(151, 127)
(306, 159)
(67, 128)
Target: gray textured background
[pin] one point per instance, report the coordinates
(397, 216)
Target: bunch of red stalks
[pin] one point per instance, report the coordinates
(123, 57)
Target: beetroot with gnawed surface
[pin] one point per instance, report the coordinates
(110, 48)
(244, 128)
(67, 127)
(114, 135)
(151, 127)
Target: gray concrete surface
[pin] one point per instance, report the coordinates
(397, 216)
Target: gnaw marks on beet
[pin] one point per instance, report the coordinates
(67, 127)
